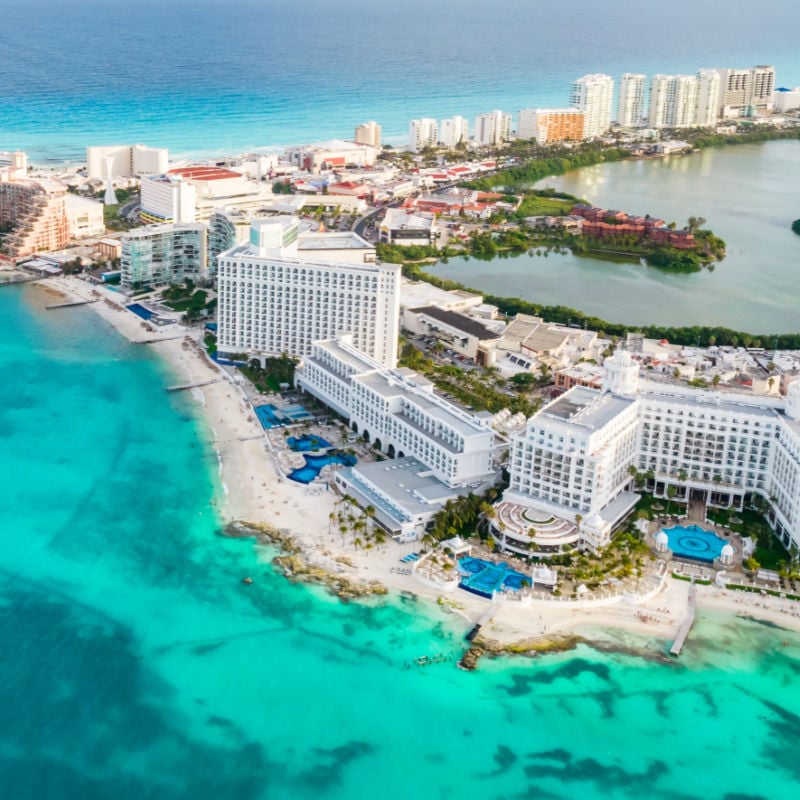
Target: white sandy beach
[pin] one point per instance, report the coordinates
(255, 490)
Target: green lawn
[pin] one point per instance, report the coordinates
(536, 206)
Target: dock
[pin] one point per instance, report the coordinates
(159, 339)
(185, 386)
(484, 620)
(686, 625)
(70, 304)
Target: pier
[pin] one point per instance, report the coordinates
(184, 386)
(484, 620)
(69, 304)
(159, 339)
(686, 625)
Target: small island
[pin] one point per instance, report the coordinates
(539, 221)
(796, 226)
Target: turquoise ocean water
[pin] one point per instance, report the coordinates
(135, 664)
(212, 77)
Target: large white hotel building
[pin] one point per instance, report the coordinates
(571, 481)
(436, 451)
(284, 289)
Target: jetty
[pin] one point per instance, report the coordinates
(484, 620)
(425, 661)
(69, 304)
(159, 339)
(686, 625)
(185, 386)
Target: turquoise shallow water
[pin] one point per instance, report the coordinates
(137, 665)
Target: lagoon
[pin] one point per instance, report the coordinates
(747, 194)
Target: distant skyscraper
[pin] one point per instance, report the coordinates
(368, 133)
(744, 92)
(453, 131)
(708, 101)
(594, 95)
(423, 133)
(548, 125)
(631, 105)
(673, 101)
(492, 128)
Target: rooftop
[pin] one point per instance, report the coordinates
(458, 321)
(586, 407)
(340, 240)
(204, 173)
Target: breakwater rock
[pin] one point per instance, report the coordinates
(483, 646)
(307, 566)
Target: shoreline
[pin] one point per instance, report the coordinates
(255, 499)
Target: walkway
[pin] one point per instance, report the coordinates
(686, 625)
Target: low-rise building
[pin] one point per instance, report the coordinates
(84, 217)
(404, 228)
(333, 154)
(465, 335)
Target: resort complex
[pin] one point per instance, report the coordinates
(575, 469)
(436, 450)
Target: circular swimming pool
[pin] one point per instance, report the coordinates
(694, 542)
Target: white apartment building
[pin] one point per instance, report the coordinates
(708, 89)
(368, 133)
(125, 160)
(285, 289)
(746, 92)
(423, 133)
(493, 128)
(631, 101)
(594, 95)
(156, 255)
(399, 411)
(453, 132)
(673, 101)
(570, 482)
(784, 99)
(167, 198)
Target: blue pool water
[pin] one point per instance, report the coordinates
(484, 578)
(314, 465)
(304, 443)
(694, 542)
(271, 416)
(140, 310)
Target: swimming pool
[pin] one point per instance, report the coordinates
(140, 311)
(695, 543)
(314, 465)
(304, 443)
(484, 578)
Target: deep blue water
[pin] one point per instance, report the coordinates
(206, 76)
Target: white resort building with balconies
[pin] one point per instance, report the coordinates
(285, 289)
(573, 469)
(436, 451)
